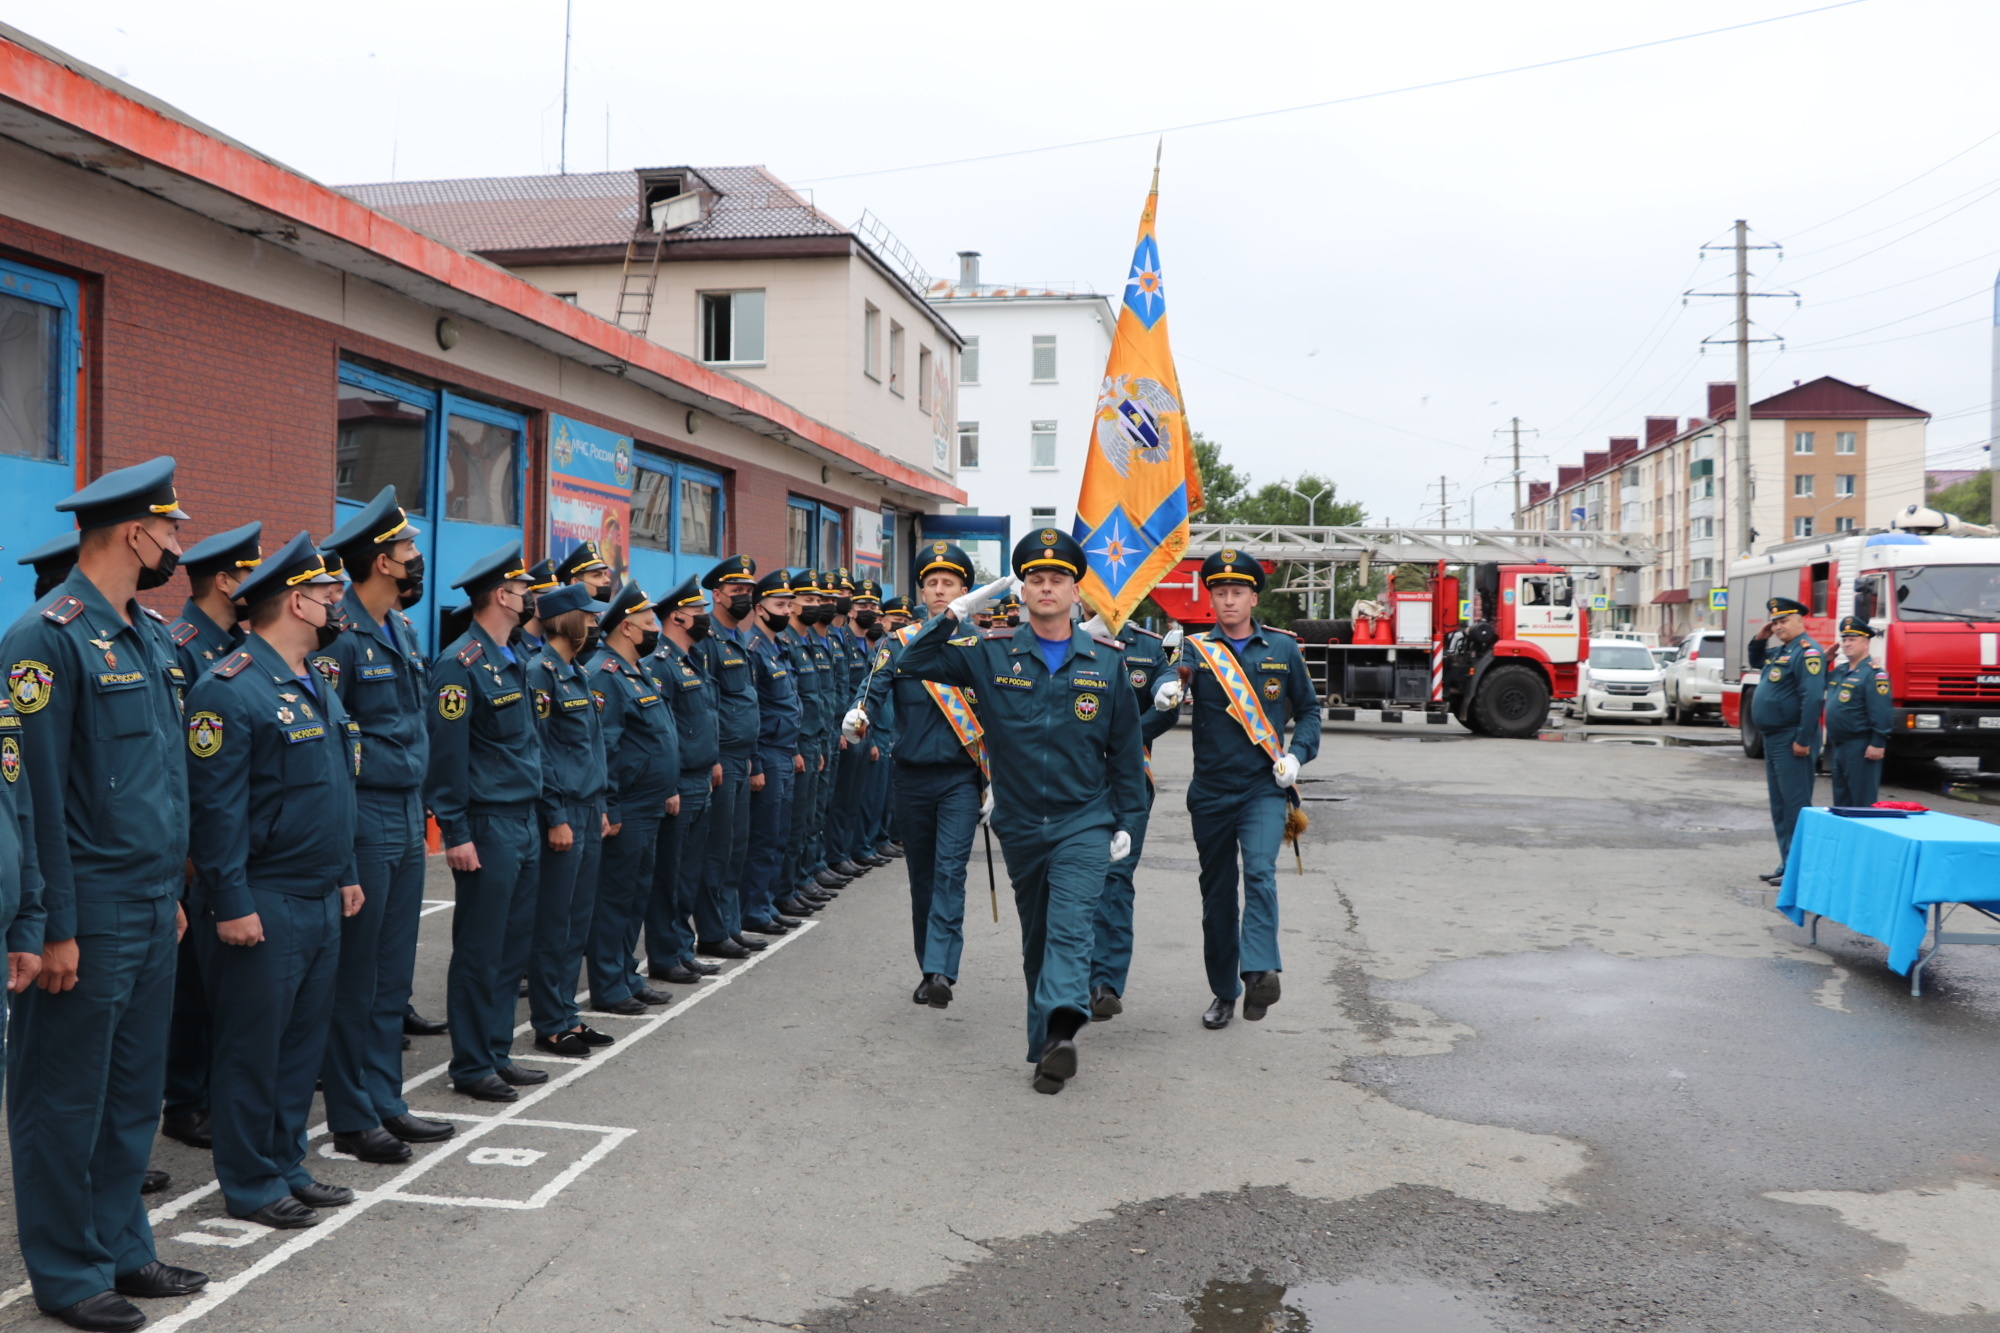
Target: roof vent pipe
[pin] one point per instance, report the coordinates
(968, 270)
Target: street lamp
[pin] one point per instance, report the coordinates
(1312, 508)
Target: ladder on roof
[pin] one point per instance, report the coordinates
(640, 280)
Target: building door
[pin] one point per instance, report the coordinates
(40, 359)
(459, 468)
(679, 518)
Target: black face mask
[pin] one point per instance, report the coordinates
(410, 584)
(155, 576)
(843, 605)
(330, 629)
(649, 642)
(409, 597)
(699, 629)
(823, 615)
(777, 624)
(591, 638)
(874, 633)
(602, 594)
(1013, 618)
(866, 618)
(739, 606)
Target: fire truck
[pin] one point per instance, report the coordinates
(1933, 600)
(1500, 627)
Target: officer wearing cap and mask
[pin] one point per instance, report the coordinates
(725, 659)
(484, 777)
(541, 579)
(819, 685)
(642, 775)
(1785, 706)
(380, 674)
(869, 833)
(271, 763)
(778, 712)
(586, 564)
(850, 853)
(90, 676)
(1859, 713)
(52, 562)
(676, 918)
(572, 824)
(1062, 735)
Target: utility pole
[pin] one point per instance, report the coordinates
(1514, 429)
(1443, 503)
(1737, 470)
(562, 152)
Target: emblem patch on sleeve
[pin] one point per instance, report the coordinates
(1881, 687)
(10, 759)
(1812, 664)
(29, 685)
(541, 703)
(204, 735)
(451, 702)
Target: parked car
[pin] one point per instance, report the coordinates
(1662, 656)
(1621, 680)
(1694, 677)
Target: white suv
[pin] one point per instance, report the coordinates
(1622, 680)
(1694, 676)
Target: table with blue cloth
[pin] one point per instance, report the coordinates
(1894, 880)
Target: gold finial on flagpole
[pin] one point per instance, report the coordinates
(1157, 146)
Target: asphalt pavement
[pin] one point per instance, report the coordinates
(1545, 1059)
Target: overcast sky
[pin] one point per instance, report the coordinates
(1369, 290)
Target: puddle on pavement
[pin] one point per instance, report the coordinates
(1656, 742)
(1260, 1305)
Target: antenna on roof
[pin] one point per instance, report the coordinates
(562, 152)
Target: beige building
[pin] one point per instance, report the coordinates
(1825, 457)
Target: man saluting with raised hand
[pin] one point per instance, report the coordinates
(1062, 729)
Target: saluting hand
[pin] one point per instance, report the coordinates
(59, 958)
(351, 899)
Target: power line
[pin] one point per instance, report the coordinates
(1334, 101)
(1894, 188)
(1272, 388)
(1982, 291)
(1914, 231)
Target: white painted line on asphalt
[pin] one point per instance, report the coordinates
(434, 905)
(217, 1293)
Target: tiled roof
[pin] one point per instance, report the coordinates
(590, 208)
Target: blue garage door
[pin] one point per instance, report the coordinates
(679, 520)
(40, 355)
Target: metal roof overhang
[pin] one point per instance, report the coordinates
(55, 106)
(1287, 544)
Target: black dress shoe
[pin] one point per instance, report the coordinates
(416, 1025)
(1260, 992)
(816, 898)
(406, 1043)
(647, 995)
(161, 1280)
(677, 975)
(847, 868)
(285, 1214)
(374, 1144)
(191, 1129)
(754, 946)
(1104, 1003)
(415, 1129)
(790, 923)
(319, 1194)
(1217, 1015)
(522, 989)
(592, 1037)
(488, 1089)
(1775, 877)
(765, 928)
(920, 995)
(796, 907)
(702, 969)
(153, 1182)
(722, 949)
(570, 1044)
(521, 1078)
(1057, 1065)
(890, 850)
(631, 1006)
(937, 991)
(106, 1311)
(831, 879)
(873, 862)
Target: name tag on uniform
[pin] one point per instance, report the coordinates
(777, 673)
(293, 735)
(1274, 666)
(116, 679)
(648, 700)
(1088, 683)
(732, 661)
(381, 671)
(1014, 682)
(577, 703)
(502, 700)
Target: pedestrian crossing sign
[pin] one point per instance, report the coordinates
(1600, 602)
(1718, 599)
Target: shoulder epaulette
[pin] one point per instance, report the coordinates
(1004, 633)
(471, 653)
(63, 610)
(408, 624)
(1118, 644)
(235, 663)
(1275, 630)
(1141, 629)
(154, 614)
(182, 632)
(612, 662)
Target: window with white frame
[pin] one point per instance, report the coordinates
(871, 342)
(923, 378)
(1843, 441)
(1702, 528)
(1042, 444)
(1802, 442)
(1843, 485)
(968, 444)
(1044, 368)
(968, 361)
(1802, 526)
(1042, 514)
(1843, 524)
(1703, 568)
(732, 327)
(1802, 484)
(895, 357)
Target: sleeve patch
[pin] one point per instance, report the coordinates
(1812, 664)
(451, 702)
(204, 735)
(63, 610)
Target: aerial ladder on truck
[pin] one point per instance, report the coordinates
(1499, 629)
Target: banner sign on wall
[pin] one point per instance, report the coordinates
(590, 492)
(868, 544)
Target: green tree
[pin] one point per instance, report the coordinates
(1971, 499)
(1222, 485)
(1229, 498)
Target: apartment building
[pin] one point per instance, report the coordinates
(1825, 456)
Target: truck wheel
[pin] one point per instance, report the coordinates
(1513, 702)
(1313, 631)
(1753, 739)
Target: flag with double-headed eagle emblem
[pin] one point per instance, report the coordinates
(1139, 480)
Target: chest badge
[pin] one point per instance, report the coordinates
(1138, 678)
(284, 713)
(1846, 693)
(1777, 674)
(110, 660)
(1273, 686)
(1085, 707)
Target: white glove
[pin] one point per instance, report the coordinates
(1286, 769)
(961, 608)
(1172, 639)
(1096, 625)
(1168, 697)
(986, 806)
(855, 725)
(1121, 845)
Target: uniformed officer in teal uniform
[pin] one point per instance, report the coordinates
(586, 564)
(572, 823)
(805, 897)
(826, 639)
(671, 923)
(871, 831)
(1786, 708)
(381, 676)
(541, 579)
(271, 763)
(90, 677)
(52, 561)
(1146, 659)
(938, 786)
(1062, 736)
(1236, 799)
(642, 754)
(820, 698)
(888, 840)
(1859, 713)
(484, 778)
(778, 712)
(725, 660)
(850, 853)
(206, 633)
